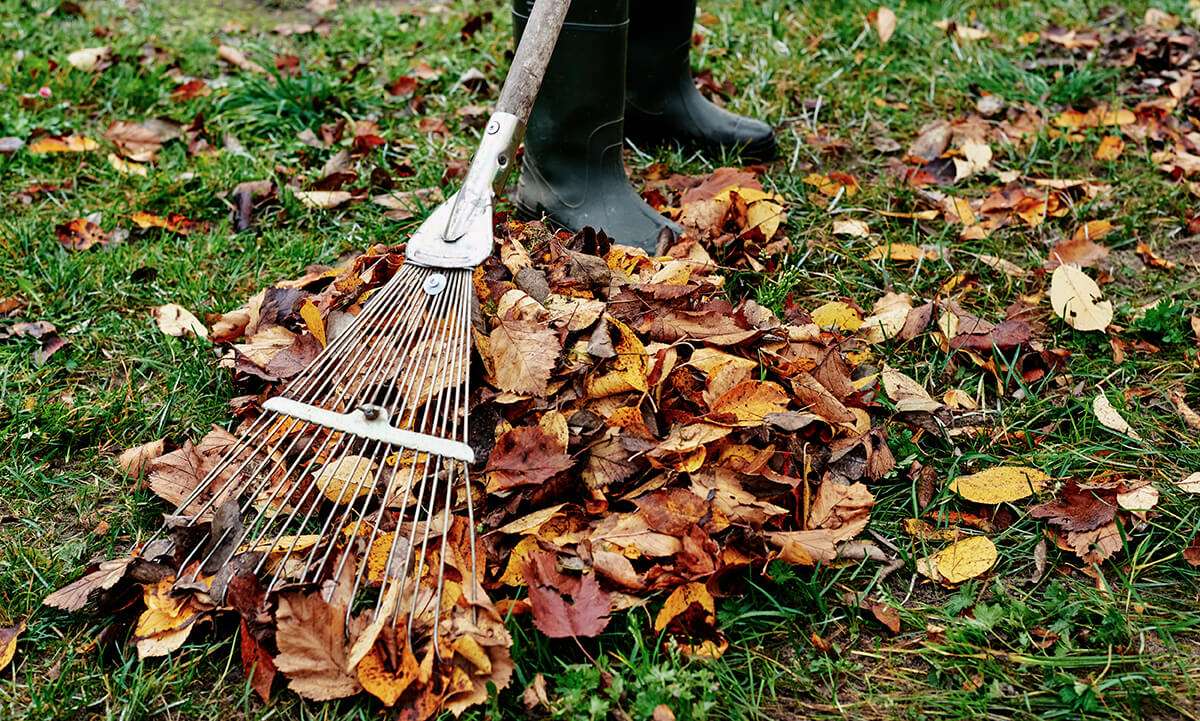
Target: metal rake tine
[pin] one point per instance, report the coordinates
(425, 335)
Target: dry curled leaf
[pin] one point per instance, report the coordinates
(178, 321)
(1109, 417)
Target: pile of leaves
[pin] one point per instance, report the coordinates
(635, 433)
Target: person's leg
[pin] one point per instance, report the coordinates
(662, 102)
(572, 170)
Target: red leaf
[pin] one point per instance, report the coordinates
(585, 615)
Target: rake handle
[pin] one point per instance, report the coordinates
(532, 56)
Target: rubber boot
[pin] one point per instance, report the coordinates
(662, 102)
(572, 172)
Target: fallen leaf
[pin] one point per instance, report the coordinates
(89, 59)
(525, 354)
(837, 314)
(67, 144)
(133, 462)
(851, 227)
(1001, 484)
(81, 234)
(1110, 148)
(885, 24)
(75, 596)
(175, 320)
(748, 403)
(1076, 299)
(323, 199)
(1190, 484)
(8, 643)
(960, 561)
(586, 614)
(313, 648)
(173, 222)
(1110, 418)
(238, 59)
(680, 600)
(525, 455)
(136, 142)
(348, 479)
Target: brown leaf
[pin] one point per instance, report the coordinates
(525, 455)
(1078, 510)
(134, 461)
(842, 510)
(586, 614)
(525, 354)
(75, 596)
(1190, 418)
(136, 142)
(257, 664)
(313, 649)
(238, 59)
(1080, 250)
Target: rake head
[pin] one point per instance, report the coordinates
(350, 477)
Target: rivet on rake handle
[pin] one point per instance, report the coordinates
(377, 427)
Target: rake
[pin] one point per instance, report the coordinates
(368, 445)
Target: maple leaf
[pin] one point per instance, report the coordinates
(586, 614)
(312, 647)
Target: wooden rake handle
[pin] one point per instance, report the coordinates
(532, 56)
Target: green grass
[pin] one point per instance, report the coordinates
(1126, 648)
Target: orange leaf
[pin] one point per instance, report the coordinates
(81, 234)
(749, 402)
(173, 222)
(680, 600)
(1110, 148)
(68, 144)
(377, 676)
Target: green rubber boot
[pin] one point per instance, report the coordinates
(662, 104)
(572, 172)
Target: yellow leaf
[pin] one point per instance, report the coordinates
(1001, 484)
(1076, 299)
(1092, 230)
(960, 561)
(1110, 148)
(69, 144)
(8, 643)
(837, 314)
(312, 319)
(125, 167)
(896, 252)
(625, 372)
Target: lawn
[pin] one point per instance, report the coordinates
(1108, 629)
